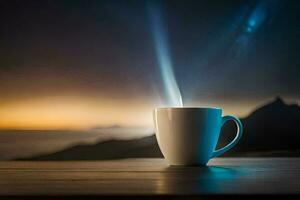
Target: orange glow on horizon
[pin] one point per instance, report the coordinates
(64, 113)
(82, 113)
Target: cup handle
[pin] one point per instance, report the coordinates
(235, 140)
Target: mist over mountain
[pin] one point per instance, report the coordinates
(15, 144)
(270, 128)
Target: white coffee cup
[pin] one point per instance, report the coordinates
(188, 136)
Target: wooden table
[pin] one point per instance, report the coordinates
(149, 178)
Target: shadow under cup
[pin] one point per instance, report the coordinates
(188, 136)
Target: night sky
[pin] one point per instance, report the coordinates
(78, 64)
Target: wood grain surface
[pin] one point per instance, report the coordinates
(150, 177)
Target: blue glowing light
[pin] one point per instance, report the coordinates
(252, 22)
(164, 60)
(249, 29)
(257, 17)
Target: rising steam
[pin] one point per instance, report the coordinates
(160, 39)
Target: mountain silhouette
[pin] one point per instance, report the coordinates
(270, 128)
(107, 150)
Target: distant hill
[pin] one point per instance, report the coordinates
(113, 149)
(268, 131)
(272, 127)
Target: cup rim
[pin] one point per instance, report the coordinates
(187, 107)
